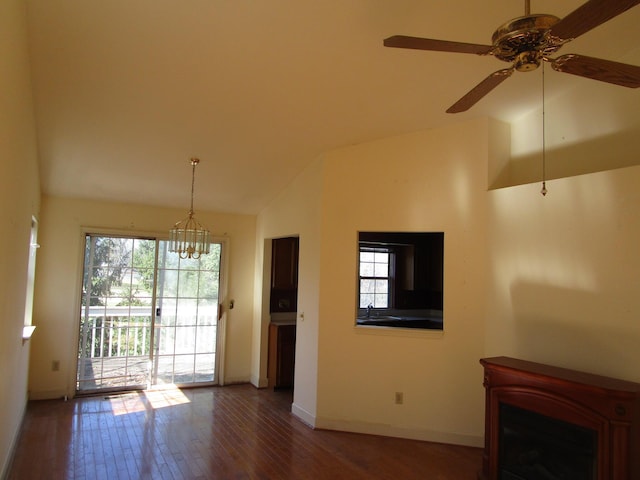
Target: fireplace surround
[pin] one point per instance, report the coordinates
(549, 422)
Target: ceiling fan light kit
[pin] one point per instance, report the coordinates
(525, 42)
(522, 41)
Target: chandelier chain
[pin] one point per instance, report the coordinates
(194, 162)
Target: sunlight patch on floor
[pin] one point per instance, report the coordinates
(167, 396)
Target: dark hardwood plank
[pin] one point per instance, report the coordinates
(233, 432)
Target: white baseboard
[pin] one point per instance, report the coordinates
(303, 415)
(8, 460)
(259, 382)
(234, 381)
(401, 432)
(47, 394)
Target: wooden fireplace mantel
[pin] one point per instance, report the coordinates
(609, 406)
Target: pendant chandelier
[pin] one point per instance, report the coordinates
(188, 238)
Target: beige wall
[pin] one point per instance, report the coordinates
(565, 268)
(590, 128)
(346, 377)
(59, 278)
(19, 200)
(550, 279)
(565, 273)
(428, 181)
(295, 212)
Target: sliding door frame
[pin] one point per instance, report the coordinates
(223, 299)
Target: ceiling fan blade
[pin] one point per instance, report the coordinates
(402, 41)
(597, 69)
(589, 15)
(480, 90)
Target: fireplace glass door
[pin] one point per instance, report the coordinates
(537, 447)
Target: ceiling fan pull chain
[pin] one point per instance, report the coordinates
(544, 166)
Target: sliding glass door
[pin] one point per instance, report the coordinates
(186, 322)
(147, 317)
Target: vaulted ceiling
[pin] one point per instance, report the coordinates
(126, 91)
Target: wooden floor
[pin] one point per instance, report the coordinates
(232, 432)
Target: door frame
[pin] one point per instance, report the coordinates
(223, 295)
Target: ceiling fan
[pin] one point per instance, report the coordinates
(527, 41)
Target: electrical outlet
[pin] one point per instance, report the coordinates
(55, 365)
(399, 398)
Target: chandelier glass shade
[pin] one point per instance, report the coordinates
(189, 238)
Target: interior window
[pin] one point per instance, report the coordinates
(400, 279)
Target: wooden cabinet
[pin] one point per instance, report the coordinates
(282, 353)
(284, 261)
(284, 274)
